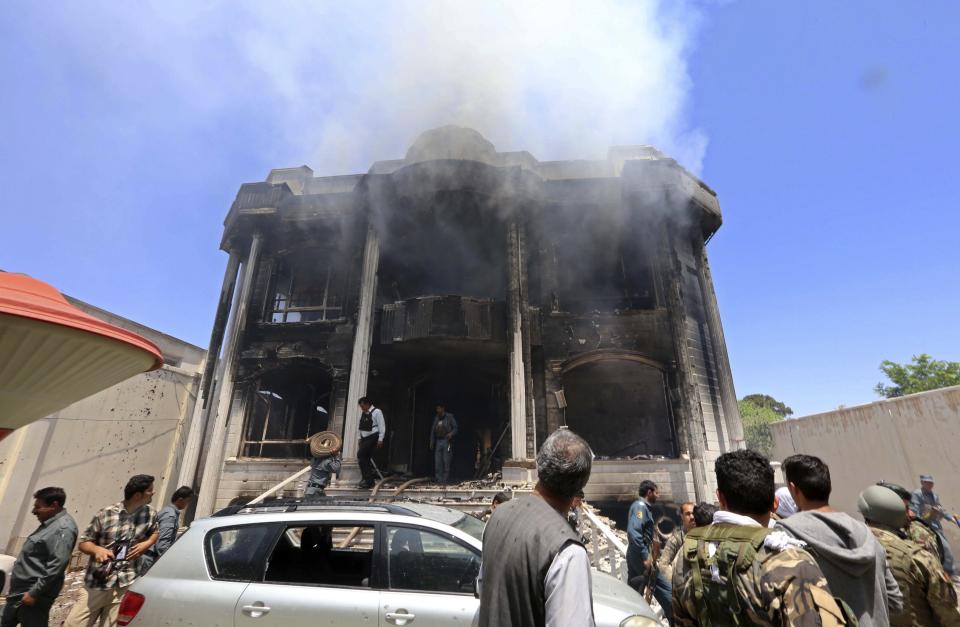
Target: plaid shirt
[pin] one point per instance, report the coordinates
(110, 527)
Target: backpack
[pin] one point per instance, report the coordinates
(737, 547)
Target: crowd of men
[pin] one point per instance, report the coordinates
(755, 558)
(123, 541)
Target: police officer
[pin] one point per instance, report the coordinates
(929, 598)
(737, 571)
(925, 503)
(642, 532)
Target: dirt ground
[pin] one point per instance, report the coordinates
(72, 586)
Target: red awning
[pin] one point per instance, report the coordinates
(52, 354)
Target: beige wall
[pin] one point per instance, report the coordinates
(896, 440)
(92, 447)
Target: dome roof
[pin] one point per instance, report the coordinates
(452, 142)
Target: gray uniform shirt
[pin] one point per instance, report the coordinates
(44, 558)
(168, 521)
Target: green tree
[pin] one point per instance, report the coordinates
(756, 424)
(763, 400)
(925, 373)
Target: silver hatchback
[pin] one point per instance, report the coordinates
(334, 563)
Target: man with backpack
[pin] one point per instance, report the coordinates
(737, 571)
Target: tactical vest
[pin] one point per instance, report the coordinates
(737, 546)
(900, 556)
(718, 603)
(366, 421)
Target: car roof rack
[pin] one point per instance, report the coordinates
(317, 504)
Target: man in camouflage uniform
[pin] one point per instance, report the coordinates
(774, 583)
(915, 529)
(673, 543)
(929, 598)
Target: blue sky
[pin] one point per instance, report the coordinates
(827, 129)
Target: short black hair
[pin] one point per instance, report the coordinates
(746, 480)
(645, 486)
(137, 483)
(810, 475)
(441, 404)
(901, 491)
(183, 492)
(51, 495)
(501, 497)
(364, 400)
(703, 513)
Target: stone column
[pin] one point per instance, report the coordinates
(728, 395)
(201, 409)
(692, 427)
(226, 369)
(360, 359)
(518, 379)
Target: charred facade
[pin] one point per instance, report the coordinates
(523, 295)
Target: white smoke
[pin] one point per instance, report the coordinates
(353, 82)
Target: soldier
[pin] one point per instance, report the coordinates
(917, 530)
(929, 598)
(774, 581)
(672, 546)
(925, 504)
(642, 534)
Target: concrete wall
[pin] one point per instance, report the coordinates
(92, 447)
(896, 440)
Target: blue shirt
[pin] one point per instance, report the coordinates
(640, 531)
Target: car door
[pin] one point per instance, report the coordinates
(429, 578)
(316, 573)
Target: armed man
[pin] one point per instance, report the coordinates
(917, 530)
(643, 544)
(929, 598)
(738, 571)
(925, 503)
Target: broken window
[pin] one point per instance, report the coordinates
(595, 273)
(286, 407)
(306, 288)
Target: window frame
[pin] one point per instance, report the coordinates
(284, 275)
(385, 556)
(258, 556)
(248, 445)
(285, 526)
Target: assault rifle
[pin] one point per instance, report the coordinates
(652, 569)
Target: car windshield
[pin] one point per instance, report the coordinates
(471, 525)
(447, 516)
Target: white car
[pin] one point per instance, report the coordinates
(6, 570)
(334, 563)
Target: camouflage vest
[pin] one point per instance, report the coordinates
(714, 578)
(718, 603)
(900, 556)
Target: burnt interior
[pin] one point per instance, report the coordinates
(621, 407)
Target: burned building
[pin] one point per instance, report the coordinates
(525, 295)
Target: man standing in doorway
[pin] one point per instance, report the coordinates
(116, 538)
(37, 576)
(168, 522)
(642, 533)
(442, 433)
(373, 429)
(925, 504)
